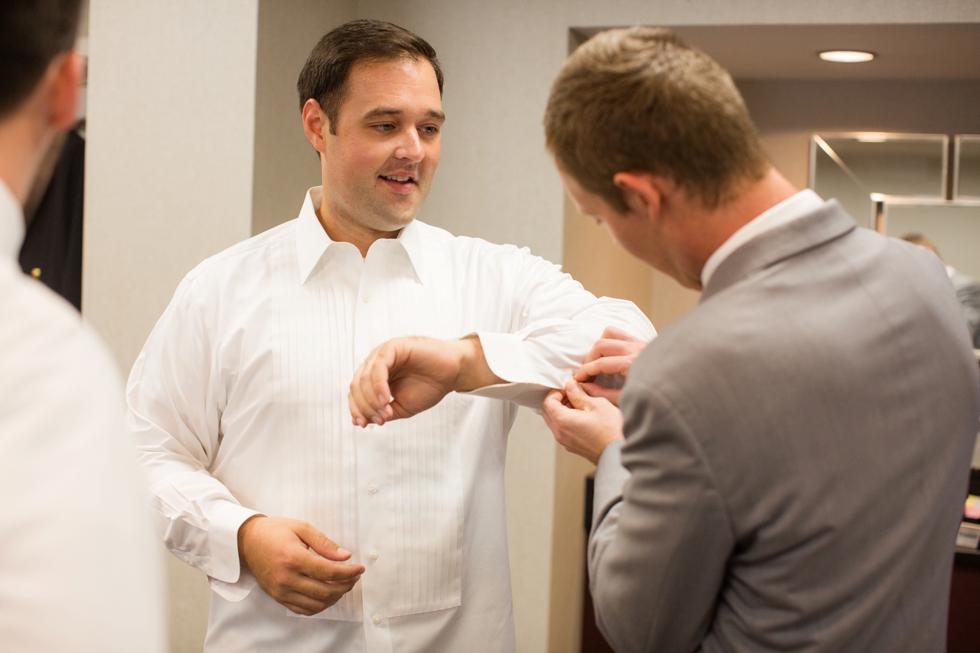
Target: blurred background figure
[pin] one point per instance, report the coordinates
(967, 288)
(78, 570)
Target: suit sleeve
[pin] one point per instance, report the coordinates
(175, 398)
(661, 535)
(555, 323)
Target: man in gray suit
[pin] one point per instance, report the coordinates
(796, 448)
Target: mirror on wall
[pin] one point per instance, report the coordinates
(851, 166)
(966, 180)
(954, 227)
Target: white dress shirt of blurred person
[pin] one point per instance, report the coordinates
(79, 570)
(315, 534)
(967, 288)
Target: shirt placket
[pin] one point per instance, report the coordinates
(371, 444)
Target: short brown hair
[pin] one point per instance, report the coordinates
(640, 99)
(325, 74)
(32, 34)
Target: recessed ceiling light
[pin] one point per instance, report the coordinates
(846, 56)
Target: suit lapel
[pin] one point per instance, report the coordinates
(804, 233)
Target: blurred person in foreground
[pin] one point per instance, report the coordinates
(317, 535)
(78, 568)
(967, 288)
(797, 447)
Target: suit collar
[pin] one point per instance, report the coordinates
(806, 232)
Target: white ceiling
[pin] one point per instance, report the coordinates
(768, 52)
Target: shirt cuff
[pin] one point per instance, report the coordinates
(610, 477)
(223, 525)
(506, 356)
(234, 592)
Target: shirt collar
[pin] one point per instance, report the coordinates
(312, 240)
(801, 203)
(410, 238)
(11, 222)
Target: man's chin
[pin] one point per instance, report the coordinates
(393, 221)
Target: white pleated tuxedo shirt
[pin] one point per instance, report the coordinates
(239, 404)
(79, 570)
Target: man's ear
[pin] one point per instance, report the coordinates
(64, 80)
(315, 124)
(642, 193)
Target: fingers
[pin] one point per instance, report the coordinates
(289, 559)
(551, 407)
(614, 353)
(356, 416)
(321, 569)
(320, 543)
(614, 333)
(609, 394)
(605, 365)
(586, 428)
(576, 396)
(373, 386)
(323, 566)
(310, 597)
(370, 395)
(614, 342)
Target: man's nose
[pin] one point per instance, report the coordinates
(410, 146)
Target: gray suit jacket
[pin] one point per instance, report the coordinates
(796, 456)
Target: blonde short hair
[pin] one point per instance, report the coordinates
(640, 99)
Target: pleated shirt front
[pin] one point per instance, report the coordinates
(239, 405)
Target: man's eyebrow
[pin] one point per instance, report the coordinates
(386, 111)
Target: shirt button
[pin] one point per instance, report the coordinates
(36, 273)
(372, 489)
(376, 619)
(374, 555)
(365, 298)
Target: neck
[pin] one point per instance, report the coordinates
(23, 141)
(710, 228)
(343, 230)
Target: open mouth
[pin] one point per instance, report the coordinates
(401, 183)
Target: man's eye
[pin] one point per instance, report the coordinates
(429, 130)
(384, 127)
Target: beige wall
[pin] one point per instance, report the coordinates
(285, 164)
(167, 183)
(191, 148)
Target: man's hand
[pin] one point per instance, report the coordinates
(587, 427)
(295, 564)
(405, 376)
(613, 354)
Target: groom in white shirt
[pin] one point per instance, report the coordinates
(315, 534)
